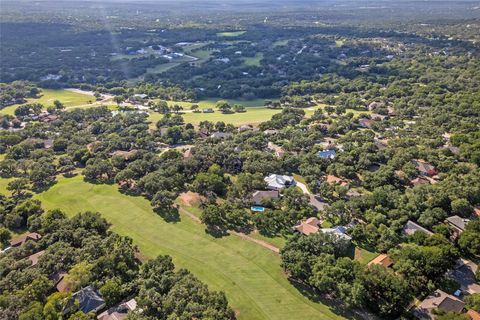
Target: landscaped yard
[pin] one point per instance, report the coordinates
(68, 98)
(250, 275)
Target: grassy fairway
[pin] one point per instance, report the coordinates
(254, 115)
(3, 186)
(256, 112)
(230, 33)
(68, 98)
(249, 274)
(253, 61)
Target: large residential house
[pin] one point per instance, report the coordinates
(411, 227)
(260, 196)
(327, 154)
(20, 241)
(118, 312)
(307, 227)
(457, 223)
(464, 274)
(278, 182)
(424, 167)
(125, 155)
(220, 135)
(340, 232)
(34, 258)
(441, 301)
(89, 300)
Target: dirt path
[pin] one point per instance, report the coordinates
(264, 244)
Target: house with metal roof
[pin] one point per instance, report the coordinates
(278, 182)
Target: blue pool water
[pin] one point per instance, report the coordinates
(257, 209)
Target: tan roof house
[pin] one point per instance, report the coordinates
(260, 195)
(307, 227)
(382, 260)
(34, 258)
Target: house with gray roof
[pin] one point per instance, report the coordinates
(441, 301)
(118, 312)
(89, 300)
(457, 223)
(220, 135)
(411, 227)
(464, 274)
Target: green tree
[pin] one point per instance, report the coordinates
(223, 106)
(79, 275)
(112, 292)
(5, 236)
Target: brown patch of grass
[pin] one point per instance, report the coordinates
(190, 198)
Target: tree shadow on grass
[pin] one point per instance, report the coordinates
(334, 305)
(43, 188)
(216, 231)
(169, 215)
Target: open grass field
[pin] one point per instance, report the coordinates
(230, 33)
(68, 98)
(160, 68)
(280, 43)
(339, 42)
(254, 115)
(253, 61)
(3, 186)
(250, 275)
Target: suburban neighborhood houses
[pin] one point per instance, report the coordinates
(250, 160)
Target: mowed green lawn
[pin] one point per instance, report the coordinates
(253, 61)
(230, 33)
(255, 114)
(68, 98)
(250, 275)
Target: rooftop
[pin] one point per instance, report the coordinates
(339, 231)
(439, 300)
(464, 273)
(24, 238)
(118, 312)
(327, 154)
(411, 227)
(383, 260)
(458, 222)
(260, 195)
(308, 226)
(277, 182)
(89, 300)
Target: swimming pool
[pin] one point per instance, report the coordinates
(257, 209)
